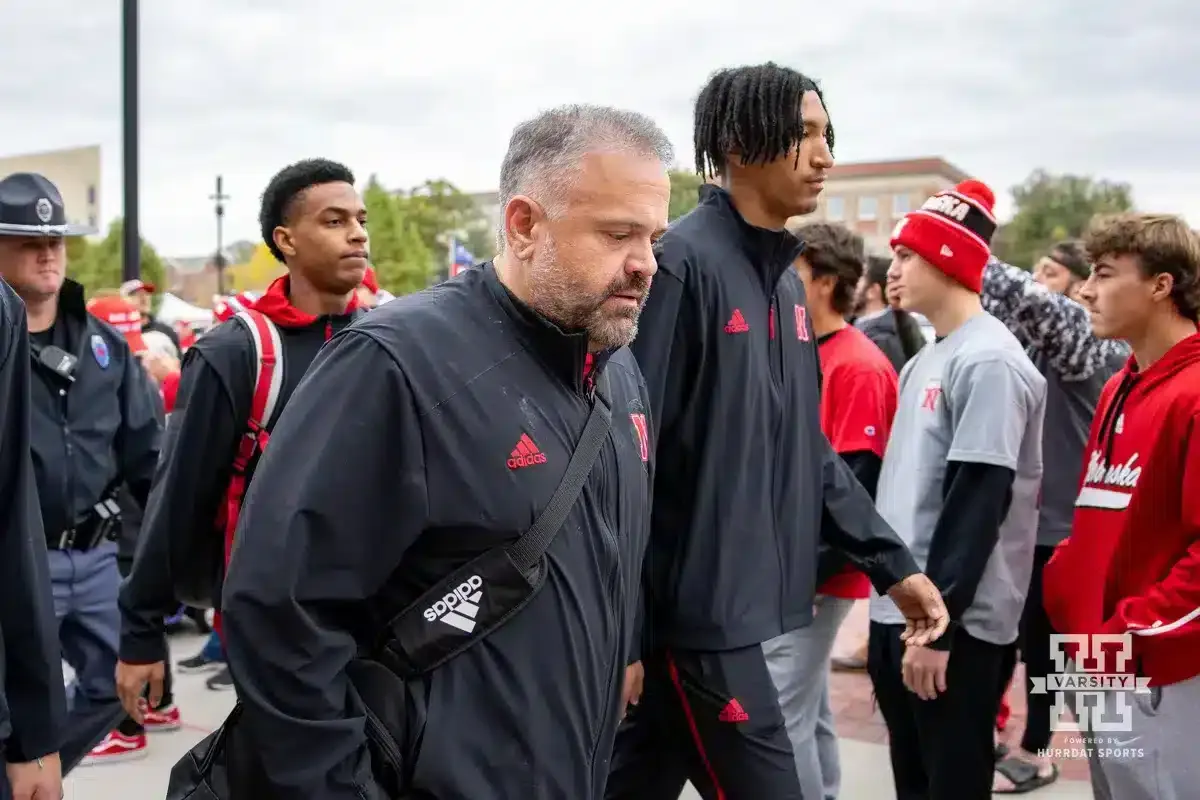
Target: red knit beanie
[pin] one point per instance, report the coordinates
(953, 231)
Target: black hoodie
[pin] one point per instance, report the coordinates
(210, 415)
(747, 483)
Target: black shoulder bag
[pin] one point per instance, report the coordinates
(446, 620)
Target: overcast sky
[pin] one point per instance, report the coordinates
(241, 88)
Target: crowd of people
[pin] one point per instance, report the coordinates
(583, 521)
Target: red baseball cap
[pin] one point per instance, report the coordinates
(227, 307)
(130, 288)
(122, 315)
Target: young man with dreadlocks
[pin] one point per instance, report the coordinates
(748, 482)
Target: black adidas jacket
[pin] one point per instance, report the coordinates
(32, 704)
(210, 415)
(747, 483)
(434, 429)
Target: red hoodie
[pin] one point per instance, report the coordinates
(170, 391)
(1132, 562)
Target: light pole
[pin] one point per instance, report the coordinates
(131, 241)
(219, 199)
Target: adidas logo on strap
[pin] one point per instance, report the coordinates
(459, 608)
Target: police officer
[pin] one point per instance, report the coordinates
(96, 425)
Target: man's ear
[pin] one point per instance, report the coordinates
(521, 214)
(283, 240)
(825, 285)
(1164, 284)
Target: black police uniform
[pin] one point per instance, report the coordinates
(97, 424)
(32, 704)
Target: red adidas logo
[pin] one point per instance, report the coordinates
(733, 712)
(737, 323)
(525, 454)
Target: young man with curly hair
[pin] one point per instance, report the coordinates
(1131, 566)
(314, 222)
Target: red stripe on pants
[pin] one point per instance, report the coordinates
(691, 720)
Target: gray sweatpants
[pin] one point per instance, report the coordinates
(1158, 759)
(799, 665)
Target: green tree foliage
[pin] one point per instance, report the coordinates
(481, 241)
(439, 211)
(410, 232)
(685, 192)
(255, 273)
(437, 208)
(1050, 208)
(402, 261)
(97, 265)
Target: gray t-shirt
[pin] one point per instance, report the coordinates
(972, 397)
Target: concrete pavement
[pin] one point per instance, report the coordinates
(865, 764)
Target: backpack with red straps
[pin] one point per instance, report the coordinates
(197, 567)
(269, 349)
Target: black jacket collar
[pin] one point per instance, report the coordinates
(73, 314)
(771, 253)
(71, 299)
(565, 353)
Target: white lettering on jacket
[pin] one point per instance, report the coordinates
(1124, 475)
(1108, 486)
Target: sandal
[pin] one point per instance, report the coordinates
(1024, 776)
(848, 664)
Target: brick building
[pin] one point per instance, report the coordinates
(871, 197)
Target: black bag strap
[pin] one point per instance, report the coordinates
(529, 549)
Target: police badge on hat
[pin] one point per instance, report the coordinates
(100, 351)
(30, 205)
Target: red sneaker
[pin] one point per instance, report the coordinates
(163, 719)
(116, 747)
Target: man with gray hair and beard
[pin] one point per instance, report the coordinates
(436, 580)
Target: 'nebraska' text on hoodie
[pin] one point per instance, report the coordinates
(1132, 561)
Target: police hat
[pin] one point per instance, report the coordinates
(30, 205)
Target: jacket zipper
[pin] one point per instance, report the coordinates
(775, 346)
(615, 587)
(613, 676)
(386, 742)
(69, 482)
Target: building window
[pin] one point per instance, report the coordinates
(868, 207)
(835, 209)
(900, 206)
(91, 195)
